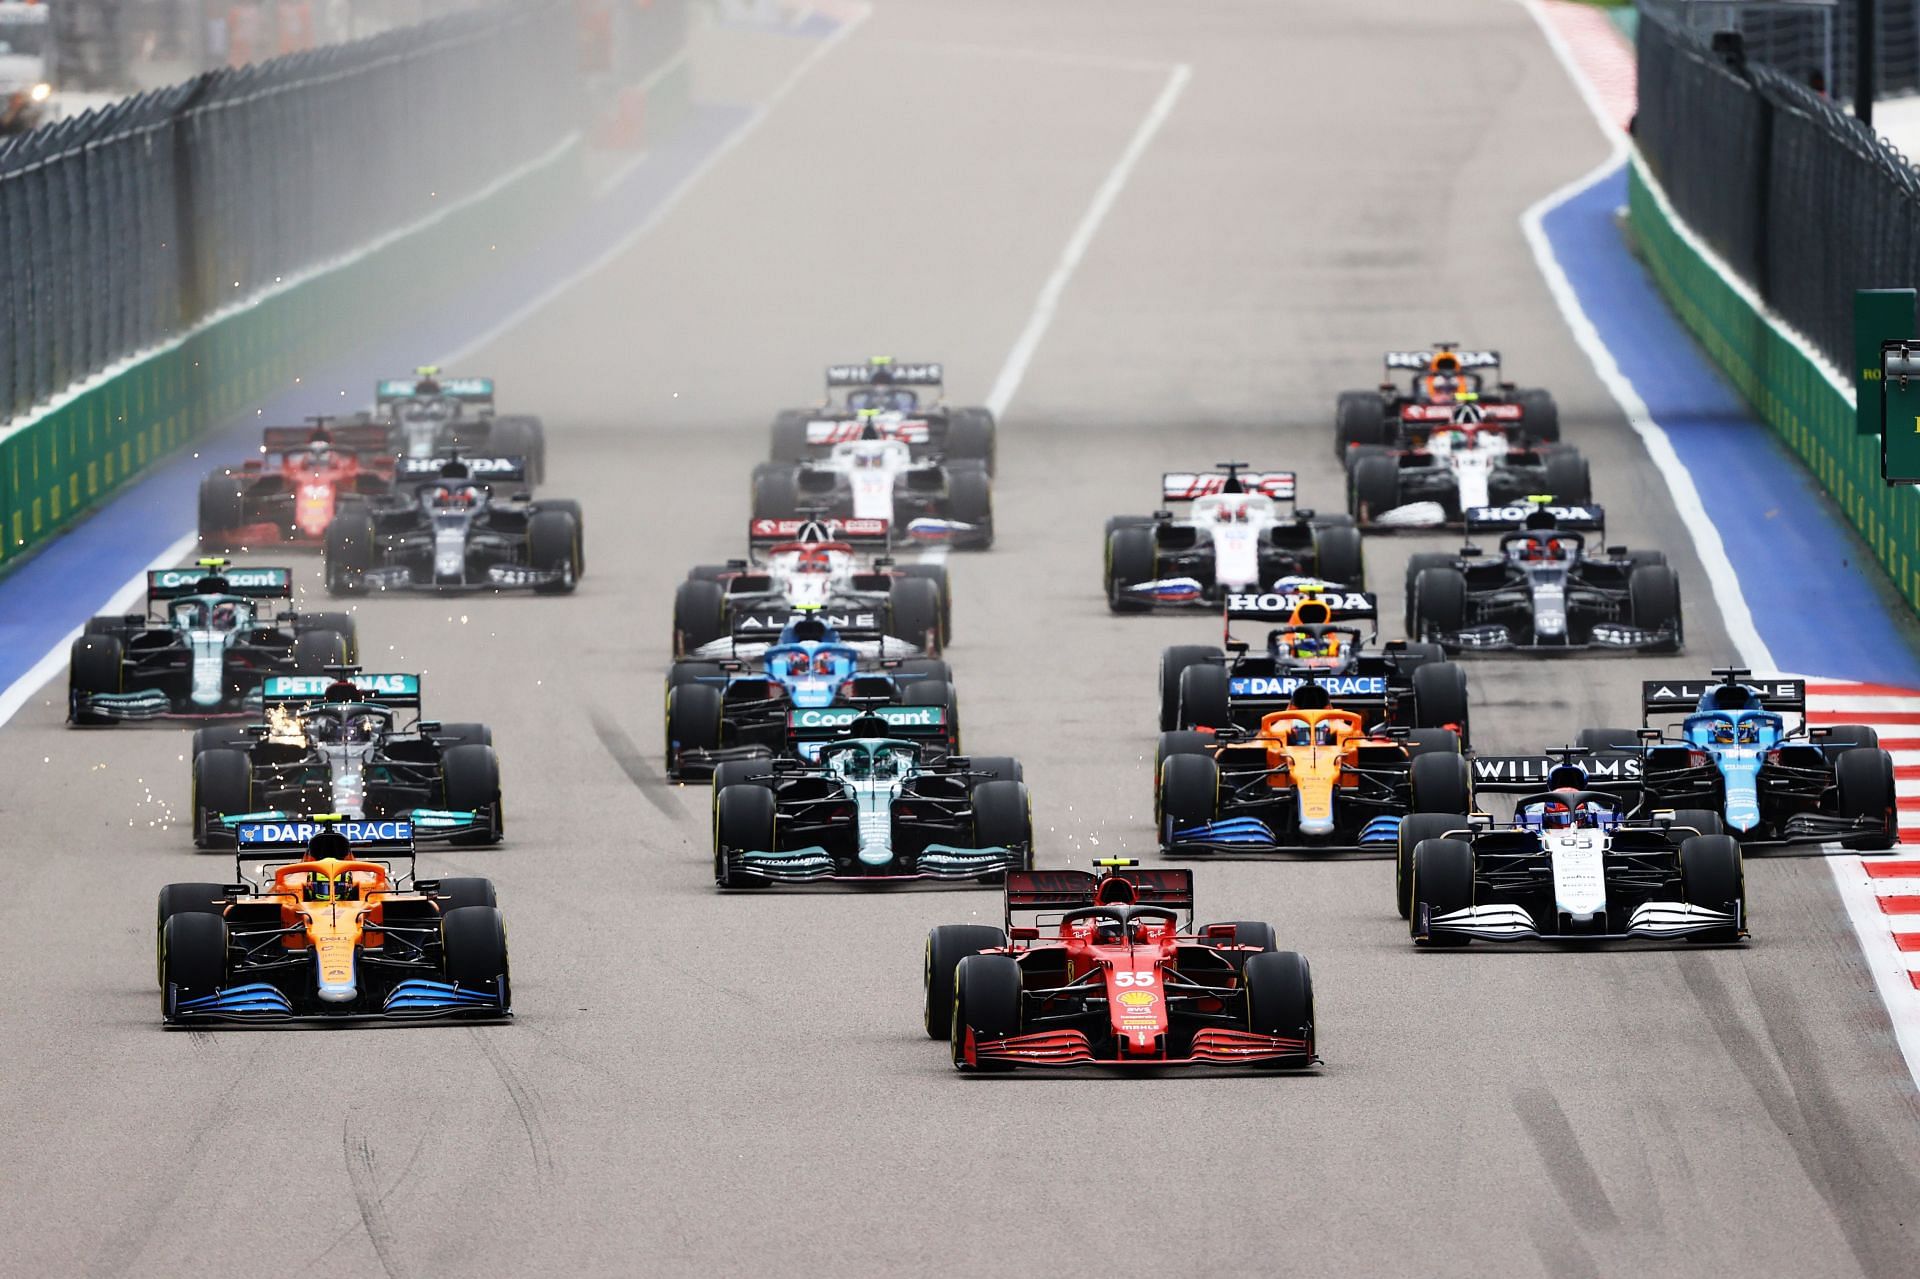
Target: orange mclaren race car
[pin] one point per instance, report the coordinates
(331, 924)
(1110, 971)
(1309, 778)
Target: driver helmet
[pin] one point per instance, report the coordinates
(336, 887)
(813, 559)
(364, 726)
(323, 727)
(1556, 814)
(869, 458)
(1723, 732)
(1542, 548)
(1237, 513)
(226, 616)
(457, 497)
(1307, 644)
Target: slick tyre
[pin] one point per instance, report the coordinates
(315, 651)
(473, 947)
(913, 613)
(456, 734)
(1653, 591)
(1439, 603)
(1416, 563)
(1180, 741)
(1003, 818)
(1864, 779)
(1713, 877)
(776, 494)
(743, 772)
(1131, 560)
(947, 945)
(970, 501)
(1415, 830)
(1248, 932)
(693, 723)
(1703, 820)
(1373, 486)
(470, 783)
(1204, 698)
(972, 436)
(1540, 416)
(1189, 793)
(95, 664)
(220, 737)
(1845, 737)
(943, 584)
(223, 506)
(1442, 883)
(459, 891)
(1337, 557)
(222, 784)
(524, 438)
(986, 1005)
(554, 546)
(183, 899)
(193, 957)
(997, 768)
(1567, 478)
(1441, 783)
(344, 624)
(1440, 698)
(1432, 741)
(699, 615)
(1359, 417)
(1280, 996)
(743, 822)
(788, 437)
(350, 552)
(555, 505)
(1173, 663)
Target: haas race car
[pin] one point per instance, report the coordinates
(446, 528)
(291, 491)
(327, 921)
(872, 477)
(869, 807)
(1736, 756)
(338, 742)
(1575, 864)
(905, 402)
(1109, 970)
(1438, 380)
(1316, 641)
(202, 647)
(1234, 537)
(1544, 589)
(837, 566)
(429, 416)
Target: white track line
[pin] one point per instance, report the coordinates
(1889, 974)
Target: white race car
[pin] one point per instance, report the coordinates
(875, 477)
(1468, 463)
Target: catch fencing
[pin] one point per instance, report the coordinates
(1810, 41)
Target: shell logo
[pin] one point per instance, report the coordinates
(1135, 998)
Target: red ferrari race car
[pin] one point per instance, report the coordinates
(1110, 971)
(290, 492)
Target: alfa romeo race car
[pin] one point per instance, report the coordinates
(759, 700)
(1735, 755)
(1575, 864)
(446, 528)
(1315, 642)
(1457, 468)
(342, 742)
(1437, 382)
(291, 492)
(1234, 538)
(1310, 779)
(869, 807)
(905, 400)
(201, 648)
(1109, 970)
(1544, 590)
(837, 566)
(871, 477)
(428, 416)
(327, 921)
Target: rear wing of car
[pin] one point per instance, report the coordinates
(1035, 891)
(215, 577)
(825, 431)
(1682, 696)
(1523, 774)
(351, 437)
(467, 390)
(884, 371)
(1185, 486)
(1421, 361)
(383, 689)
(1489, 519)
(859, 533)
(1338, 604)
(763, 625)
(487, 470)
(813, 723)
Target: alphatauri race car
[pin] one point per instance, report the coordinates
(428, 416)
(1109, 970)
(447, 528)
(1575, 864)
(1543, 590)
(348, 742)
(871, 477)
(1437, 382)
(291, 491)
(747, 699)
(1234, 537)
(202, 647)
(1735, 755)
(870, 807)
(905, 401)
(1315, 642)
(837, 566)
(327, 921)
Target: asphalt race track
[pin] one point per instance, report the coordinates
(738, 1084)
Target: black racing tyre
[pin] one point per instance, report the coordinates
(693, 722)
(1440, 698)
(104, 625)
(1251, 932)
(315, 651)
(1637, 558)
(1280, 996)
(350, 551)
(789, 436)
(943, 584)
(470, 782)
(986, 1001)
(554, 545)
(1567, 478)
(183, 899)
(457, 733)
(776, 494)
(692, 673)
(970, 501)
(222, 784)
(971, 436)
(458, 891)
(1654, 591)
(913, 613)
(524, 438)
(924, 668)
(1003, 817)
(743, 772)
(1416, 562)
(1373, 485)
(1181, 741)
(1846, 737)
(710, 572)
(1863, 777)
(743, 821)
(1712, 876)
(220, 737)
(1003, 768)
(1130, 560)
(345, 623)
(1441, 783)
(1439, 602)
(1189, 792)
(1416, 829)
(1432, 741)
(1417, 653)
(1704, 820)
(935, 692)
(1337, 556)
(473, 946)
(193, 955)
(947, 945)
(1442, 883)
(699, 615)
(223, 503)
(1173, 662)
(1615, 740)
(1540, 416)
(573, 508)
(1204, 700)
(1359, 417)
(96, 664)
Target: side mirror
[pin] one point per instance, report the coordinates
(1650, 734)
(1617, 552)
(428, 727)
(1471, 552)
(521, 495)
(1163, 516)
(1025, 932)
